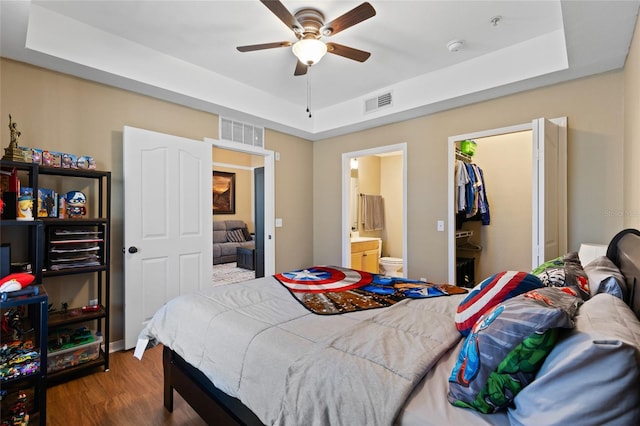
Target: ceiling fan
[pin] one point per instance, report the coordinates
(309, 27)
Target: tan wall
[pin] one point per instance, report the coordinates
(594, 107)
(241, 164)
(506, 163)
(294, 200)
(631, 210)
(391, 191)
(59, 112)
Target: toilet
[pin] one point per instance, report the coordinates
(390, 266)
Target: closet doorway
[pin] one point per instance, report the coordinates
(393, 188)
(524, 170)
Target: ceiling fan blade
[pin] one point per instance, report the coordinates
(348, 52)
(252, 47)
(349, 19)
(301, 69)
(283, 14)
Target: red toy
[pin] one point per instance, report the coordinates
(17, 281)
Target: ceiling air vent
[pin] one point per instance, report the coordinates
(380, 101)
(243, 133)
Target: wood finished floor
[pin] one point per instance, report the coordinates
(130, 393)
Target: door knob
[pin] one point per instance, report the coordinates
(133, 249)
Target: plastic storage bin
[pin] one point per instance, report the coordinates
(74, 356)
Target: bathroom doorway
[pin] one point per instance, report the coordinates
(376, 171)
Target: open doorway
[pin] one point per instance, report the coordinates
(262, 158)
(379, 172)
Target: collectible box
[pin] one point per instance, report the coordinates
(47, 203)
(25, 204)
(69, 161)
(36, 155)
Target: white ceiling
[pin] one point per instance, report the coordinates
(184, 51)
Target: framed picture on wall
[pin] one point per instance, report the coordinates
(224, 192)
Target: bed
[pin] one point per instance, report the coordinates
(250, 354)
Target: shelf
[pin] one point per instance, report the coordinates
(34, 319)
(74, 315)
(15, 222)
(74, 271)
(79, 173)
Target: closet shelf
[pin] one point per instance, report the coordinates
(464, 234)
(466, 244)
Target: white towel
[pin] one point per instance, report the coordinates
(372, 212)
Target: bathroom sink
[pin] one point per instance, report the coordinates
(362, 239)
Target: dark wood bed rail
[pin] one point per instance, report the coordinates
(214, 406)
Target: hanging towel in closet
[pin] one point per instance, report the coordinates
(372, 212)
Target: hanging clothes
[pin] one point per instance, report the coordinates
(470, 194)
(461, 181)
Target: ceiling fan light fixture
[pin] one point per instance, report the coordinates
(309, 50)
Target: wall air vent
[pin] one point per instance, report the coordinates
(379, 102)
(243, 133)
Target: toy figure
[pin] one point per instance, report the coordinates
(15, 134)
(25, 206)
(12, 152)
(76, 201)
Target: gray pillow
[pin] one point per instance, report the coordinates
(591, 376)
(605, 277)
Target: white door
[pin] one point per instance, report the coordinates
(546, 206)
(167, 224)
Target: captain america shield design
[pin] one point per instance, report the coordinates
(322, 279)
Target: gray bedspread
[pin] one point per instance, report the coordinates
(291, 367)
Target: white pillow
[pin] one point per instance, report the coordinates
(591, 376)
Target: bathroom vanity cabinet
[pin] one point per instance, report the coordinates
(365, 255)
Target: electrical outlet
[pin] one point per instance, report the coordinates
(441, 226)
(423, 279)
(93, 302)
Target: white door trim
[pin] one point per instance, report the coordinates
(346, 191)
(269, 196)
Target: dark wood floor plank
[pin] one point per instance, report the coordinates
(130, 393)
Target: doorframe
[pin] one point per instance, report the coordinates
(269, 196)
(346, 202)
(561, 122)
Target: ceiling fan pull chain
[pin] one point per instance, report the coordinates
(309, 92)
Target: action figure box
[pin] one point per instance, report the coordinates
(47, 203)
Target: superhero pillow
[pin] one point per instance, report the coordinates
(507, 346)
(493, 290)
(564, 271)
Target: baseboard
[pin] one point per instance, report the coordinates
(116, 346)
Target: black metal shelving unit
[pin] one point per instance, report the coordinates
(42, 237)
(34, 323)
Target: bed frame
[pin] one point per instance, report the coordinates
(216, 407)
(213, 405)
